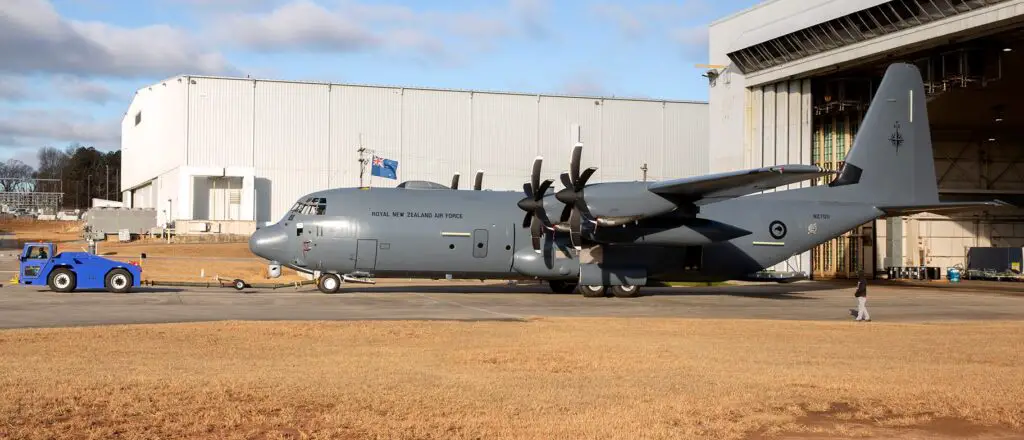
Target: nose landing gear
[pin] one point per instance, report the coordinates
(331, 283)
(328, 283)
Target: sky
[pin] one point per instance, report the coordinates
(69, 68)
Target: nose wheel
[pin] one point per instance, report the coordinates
(329, 283)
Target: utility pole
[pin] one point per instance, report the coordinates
(108, 183)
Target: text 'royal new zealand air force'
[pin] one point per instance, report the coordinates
(441, 215)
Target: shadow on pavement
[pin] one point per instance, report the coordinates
(766, 291)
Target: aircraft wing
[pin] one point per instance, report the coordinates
(714, 187)
(943, 208)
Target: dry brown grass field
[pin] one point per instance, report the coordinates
(543, 379)
(165, 261)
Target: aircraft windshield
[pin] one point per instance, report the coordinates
(310, 206)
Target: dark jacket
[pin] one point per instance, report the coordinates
(862, 289)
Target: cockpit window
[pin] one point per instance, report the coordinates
(310, 206)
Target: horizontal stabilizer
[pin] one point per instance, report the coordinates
(943, 208)
(736, 183)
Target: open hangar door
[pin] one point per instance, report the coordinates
(976, 112)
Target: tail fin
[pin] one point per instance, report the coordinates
(891, 162)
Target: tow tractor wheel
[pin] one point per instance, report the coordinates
(625, 291)
(562, 286)
(329, 283)
(591, 291)
(118, 281)
(62, 280)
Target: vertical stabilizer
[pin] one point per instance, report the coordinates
(891, 162)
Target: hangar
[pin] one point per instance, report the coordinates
(790, 81)
(218, 154)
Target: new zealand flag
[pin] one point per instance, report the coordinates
(386, 168)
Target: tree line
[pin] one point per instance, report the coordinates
(81, 173)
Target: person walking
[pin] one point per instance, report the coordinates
(862, 299)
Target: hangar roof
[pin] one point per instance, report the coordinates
(839, 23)
(818, 14)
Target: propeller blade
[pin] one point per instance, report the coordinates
(535, 176)
(479, 183)
(574, 229)
(549, 251)
(585, 177)
(526, 219)
(574, 166)
(565, 214)
(543, 189)
(455, 181)
(566, 181)
(535, 234)
(528, 190)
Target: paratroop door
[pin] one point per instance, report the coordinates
(366, 254)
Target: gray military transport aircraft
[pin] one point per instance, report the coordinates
(612, 238)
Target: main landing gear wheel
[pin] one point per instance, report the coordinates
(62, 280)
(591, 291)
(562, 286)
(329, 283)
(625, 291)
(118, 281)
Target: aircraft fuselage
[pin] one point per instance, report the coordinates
(395, 232)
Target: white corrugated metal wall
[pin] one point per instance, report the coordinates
(292, 141)
(156, 144)
(779, 134)
(303, 137)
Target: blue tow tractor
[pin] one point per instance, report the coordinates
(67, 271)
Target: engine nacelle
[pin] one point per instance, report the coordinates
(617, 203)
(595, 274)
(531, 263)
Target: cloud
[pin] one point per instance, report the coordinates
(584, 84)
(78, 88)
(12, 89)
(640, 19)
(298, 24)
(627, 22)
(34, 38)
(351, 26)
(692, 41)
(36, 128)
(532, 15)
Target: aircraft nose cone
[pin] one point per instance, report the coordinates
(268, 242)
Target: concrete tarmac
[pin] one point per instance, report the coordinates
(30, 306)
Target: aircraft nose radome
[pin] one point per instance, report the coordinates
(267, 242)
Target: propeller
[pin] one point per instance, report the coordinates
(572, 196)
(533, 203)
(479, 183)
(455, 181)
